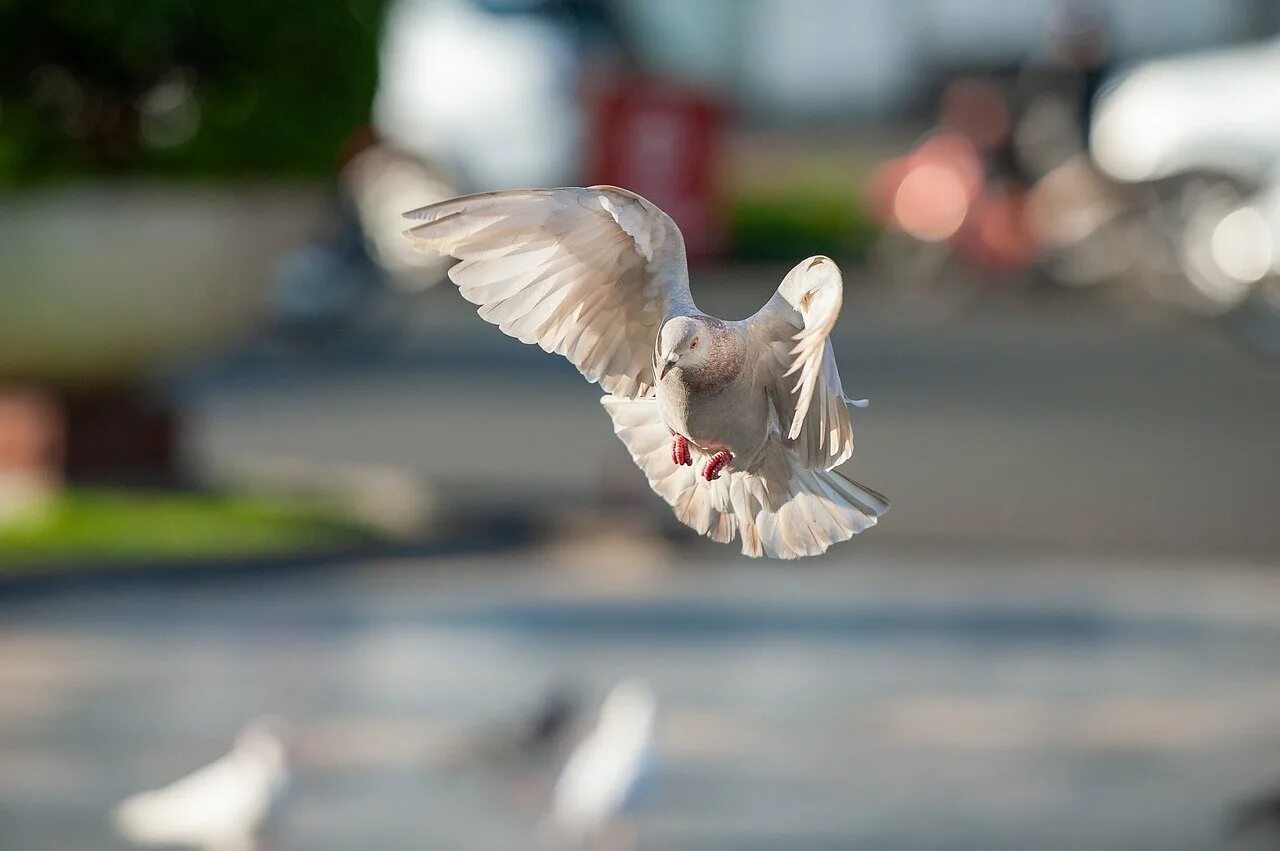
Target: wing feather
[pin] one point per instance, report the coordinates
(792, 332)
(585, 273)
(780, 508)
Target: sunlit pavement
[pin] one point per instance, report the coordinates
(923, 688)
(1025, 423)
(868, 702)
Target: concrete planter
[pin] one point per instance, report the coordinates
(106, 283)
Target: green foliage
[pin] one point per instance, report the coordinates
(784, 225)
(201, 88)
(114, 525)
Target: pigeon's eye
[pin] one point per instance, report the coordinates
(694, 343)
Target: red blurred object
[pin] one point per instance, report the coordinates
(996, 235)
(662, 140)
(977, 109)
(31, 444)
(941, 192)
(927, 193)
(112, 436)
(31, 432)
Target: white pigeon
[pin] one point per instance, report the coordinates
(220, 807)
(604, 772)
(599, 275)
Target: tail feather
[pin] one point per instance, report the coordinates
(780, 508)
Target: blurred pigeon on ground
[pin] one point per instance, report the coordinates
(544, 732)
(531, 736)
(1258, 818)
(599, 275)
(606, 770)
(221, 807)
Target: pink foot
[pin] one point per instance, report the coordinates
(717, 463)
(680, 451)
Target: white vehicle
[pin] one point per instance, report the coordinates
(1208, 124)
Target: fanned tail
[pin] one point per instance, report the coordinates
(780, 508)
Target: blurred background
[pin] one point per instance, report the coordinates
(258, 457)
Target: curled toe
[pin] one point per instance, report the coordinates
(711, 471)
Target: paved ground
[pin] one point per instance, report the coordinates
(903, 693)
(1012, 425)
(887, 704)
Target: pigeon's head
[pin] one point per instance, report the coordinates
(629, 706)
(268, 738)
(684, 342)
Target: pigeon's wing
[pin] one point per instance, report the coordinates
(780, 507)
(799, 366)
(585, 273)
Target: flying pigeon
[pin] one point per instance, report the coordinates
(738, 425)
(220, 807)
(607, 769)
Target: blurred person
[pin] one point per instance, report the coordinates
(220, 807)
(607, 770)
(1078, 41)
(956, 202)
(1000, 185)
(1073, 208)
(1004, 186)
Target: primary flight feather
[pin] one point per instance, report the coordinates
(599, 275)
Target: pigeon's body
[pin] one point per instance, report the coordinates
(221, 807)
(599, 275)
(718, 406)
(601, 779)
(523, 740)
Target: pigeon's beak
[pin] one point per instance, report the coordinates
(667, 364)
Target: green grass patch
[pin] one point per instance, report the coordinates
(124, 525)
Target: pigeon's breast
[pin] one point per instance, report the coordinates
(729, 417)
(716, 404)
(674, 399)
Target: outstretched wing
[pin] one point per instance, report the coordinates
(801, 376)
(585, 273)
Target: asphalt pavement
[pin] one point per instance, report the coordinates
(1064, 635)
(886, 703)
(1045, 424)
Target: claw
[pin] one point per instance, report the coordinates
(717, 463)
(680, 451)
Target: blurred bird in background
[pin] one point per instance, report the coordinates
(220, 807)
(606, 771)
(1257, 820)
(546, 730)
(530, 737)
